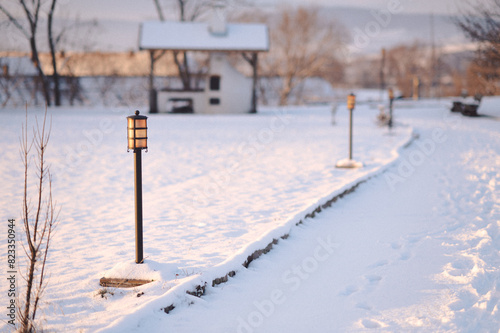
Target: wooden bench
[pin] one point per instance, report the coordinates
(470, 110)
(466, 108)
(457, 107)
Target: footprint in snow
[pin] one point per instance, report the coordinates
(373, 278)
(405, 255)
(379, 263)
(368, 323)
(349, 290)
(415, 239)
(364, 306)
(396, 246)
(373, 281)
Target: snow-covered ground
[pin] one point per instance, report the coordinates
(415, 246)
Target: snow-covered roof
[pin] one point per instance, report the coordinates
(196, 36)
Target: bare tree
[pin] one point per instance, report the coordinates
(104, 84)
(404, 64)
(362, 73)
(483, 73)
(382, 69)
(39, 223)
(481, 24)
(52, 46)
(303, 44)
(188, 10)
(11, 85)
(31, 10)
(75, 34)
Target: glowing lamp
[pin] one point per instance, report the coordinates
(351, 101)
(137, 130)
(391, 94)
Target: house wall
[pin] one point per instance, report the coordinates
(235, 93)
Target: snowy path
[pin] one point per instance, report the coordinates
(414, 248)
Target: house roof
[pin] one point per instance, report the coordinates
(196, 36)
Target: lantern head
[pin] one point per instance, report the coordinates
(391, 94)
(351, 101)
(137, 131)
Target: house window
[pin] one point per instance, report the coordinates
(215, 82)
(214, 101)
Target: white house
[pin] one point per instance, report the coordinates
(226, 90)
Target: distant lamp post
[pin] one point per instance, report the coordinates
(137, 129)
(350, 163)
(391, 100)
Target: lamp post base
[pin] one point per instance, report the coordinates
(348, 164)
(122, 282)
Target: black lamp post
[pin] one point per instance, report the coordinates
(391, 100)
(137, 129)
(351, 103)
(350, 163)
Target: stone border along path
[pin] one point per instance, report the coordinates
(199, 290)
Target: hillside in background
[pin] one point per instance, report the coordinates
(391, 30)
(387, 31)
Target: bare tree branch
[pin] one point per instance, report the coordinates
(52, 46)
(159, 10)
(38, 228)
(14, 21)
(302, 45)
(188, 11)
(481, 23)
